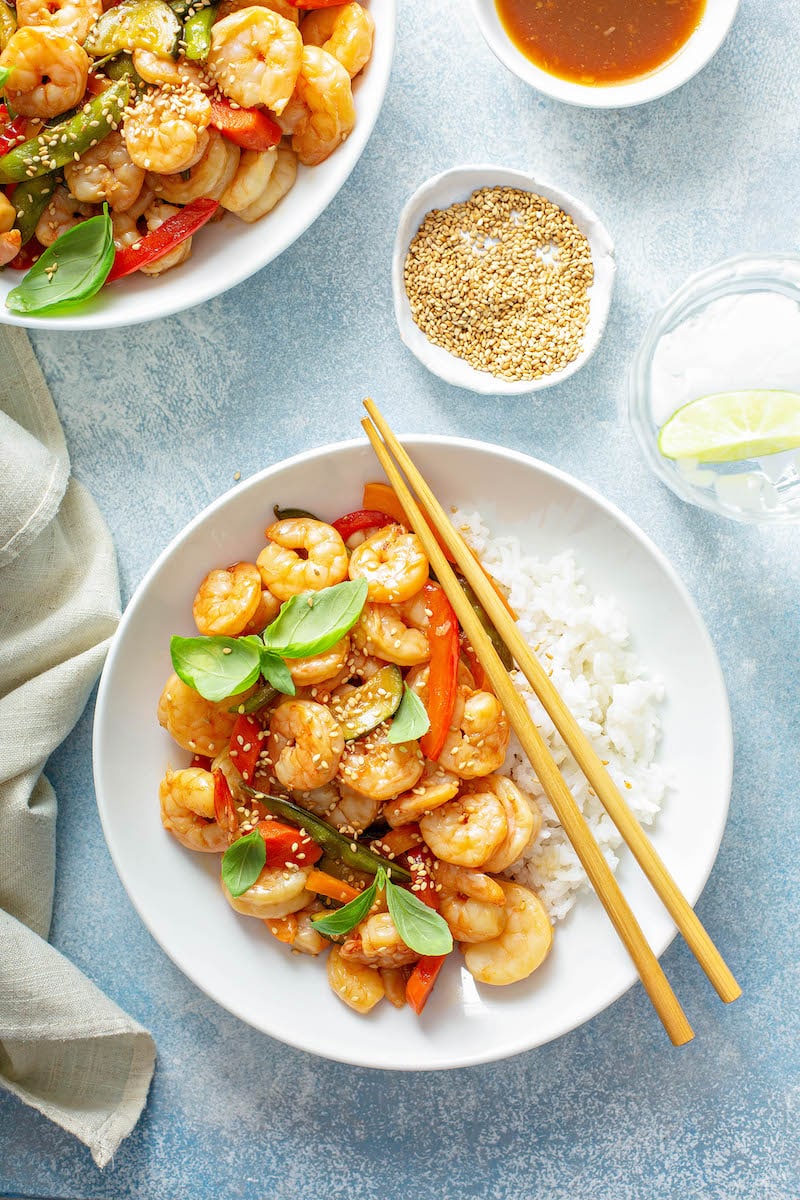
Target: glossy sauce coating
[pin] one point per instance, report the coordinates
(599, 41)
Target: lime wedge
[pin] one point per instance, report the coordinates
(730, 426)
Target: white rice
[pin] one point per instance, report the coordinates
(583, 642)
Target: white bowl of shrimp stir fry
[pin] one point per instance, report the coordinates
(250, 798)
(199, 139)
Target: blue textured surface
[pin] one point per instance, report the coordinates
(160, 418)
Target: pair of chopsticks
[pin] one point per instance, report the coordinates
(655, 982)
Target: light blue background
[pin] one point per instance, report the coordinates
(158, 419)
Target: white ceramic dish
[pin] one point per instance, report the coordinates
(457, 185)
(691, 58)
(227, 253)
(232, 958)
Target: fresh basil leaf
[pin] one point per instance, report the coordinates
(411, 720)
(314, 621)
(4, 74)
(243, 862)
(344, 919)
(69, 271)
(420, 927)
(275, 670)
(216, 667)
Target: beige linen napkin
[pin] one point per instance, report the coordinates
(65, 1048)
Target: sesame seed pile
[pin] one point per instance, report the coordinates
(502, 282)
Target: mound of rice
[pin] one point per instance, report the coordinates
(583, 642)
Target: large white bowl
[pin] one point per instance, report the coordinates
(232, 958)
(229, 251)
(700, 48)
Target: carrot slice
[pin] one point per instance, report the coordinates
(328, 885)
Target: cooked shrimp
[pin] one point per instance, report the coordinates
(47, 72)
(381, 631)
(279, 183)
(124, 229)
(433, 789)
(394, 981)
(208, 176)
(305, 744)
(194, 723)
(378, 768)
(523, 817)
(297, 930)
(345, 31)
(73, 18)
(227, 599)
(165, 131)
(187, 809)
(251, 179)
(318, 667)
(393, 563)
(466, 881)
(105, 172)
(477, 740)
(282, 7)
(255, 57)
(161, 69)
(521, 947)
(10, 246)
(323, 87)
(276, 893)
(268, 608)
(358, 986)
(62, 212)
(156, 215)
(375, 942)
(466, 830)
(8, 214)
(347, 810)
(286, 573)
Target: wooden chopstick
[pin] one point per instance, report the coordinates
(687, 921)
(652, 976)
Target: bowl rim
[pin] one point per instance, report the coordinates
(692, 294)
(660, 944)
(98, 314)
(437, 359)
(712, 30)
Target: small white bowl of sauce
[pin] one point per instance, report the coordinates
(605, 53)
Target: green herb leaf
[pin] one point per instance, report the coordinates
(275, 670)
(69, 271)
(411, 720)
(4, 74)
(314, 621)
(344, 919)
(420, 927)
(243, 862)
(216, 667)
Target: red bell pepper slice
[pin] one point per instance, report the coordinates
(176, 229)
(419, 984)
(245, 746)
(200, 760)
(285, 844)
(443, 673)
(249, 128)
(12, 132)
(361, 519)
(421, 980)
(27, 256)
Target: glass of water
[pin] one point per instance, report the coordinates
(732, 328)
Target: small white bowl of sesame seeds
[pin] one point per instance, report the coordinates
(502, 284)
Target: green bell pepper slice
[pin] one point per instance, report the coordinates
(197, 34)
